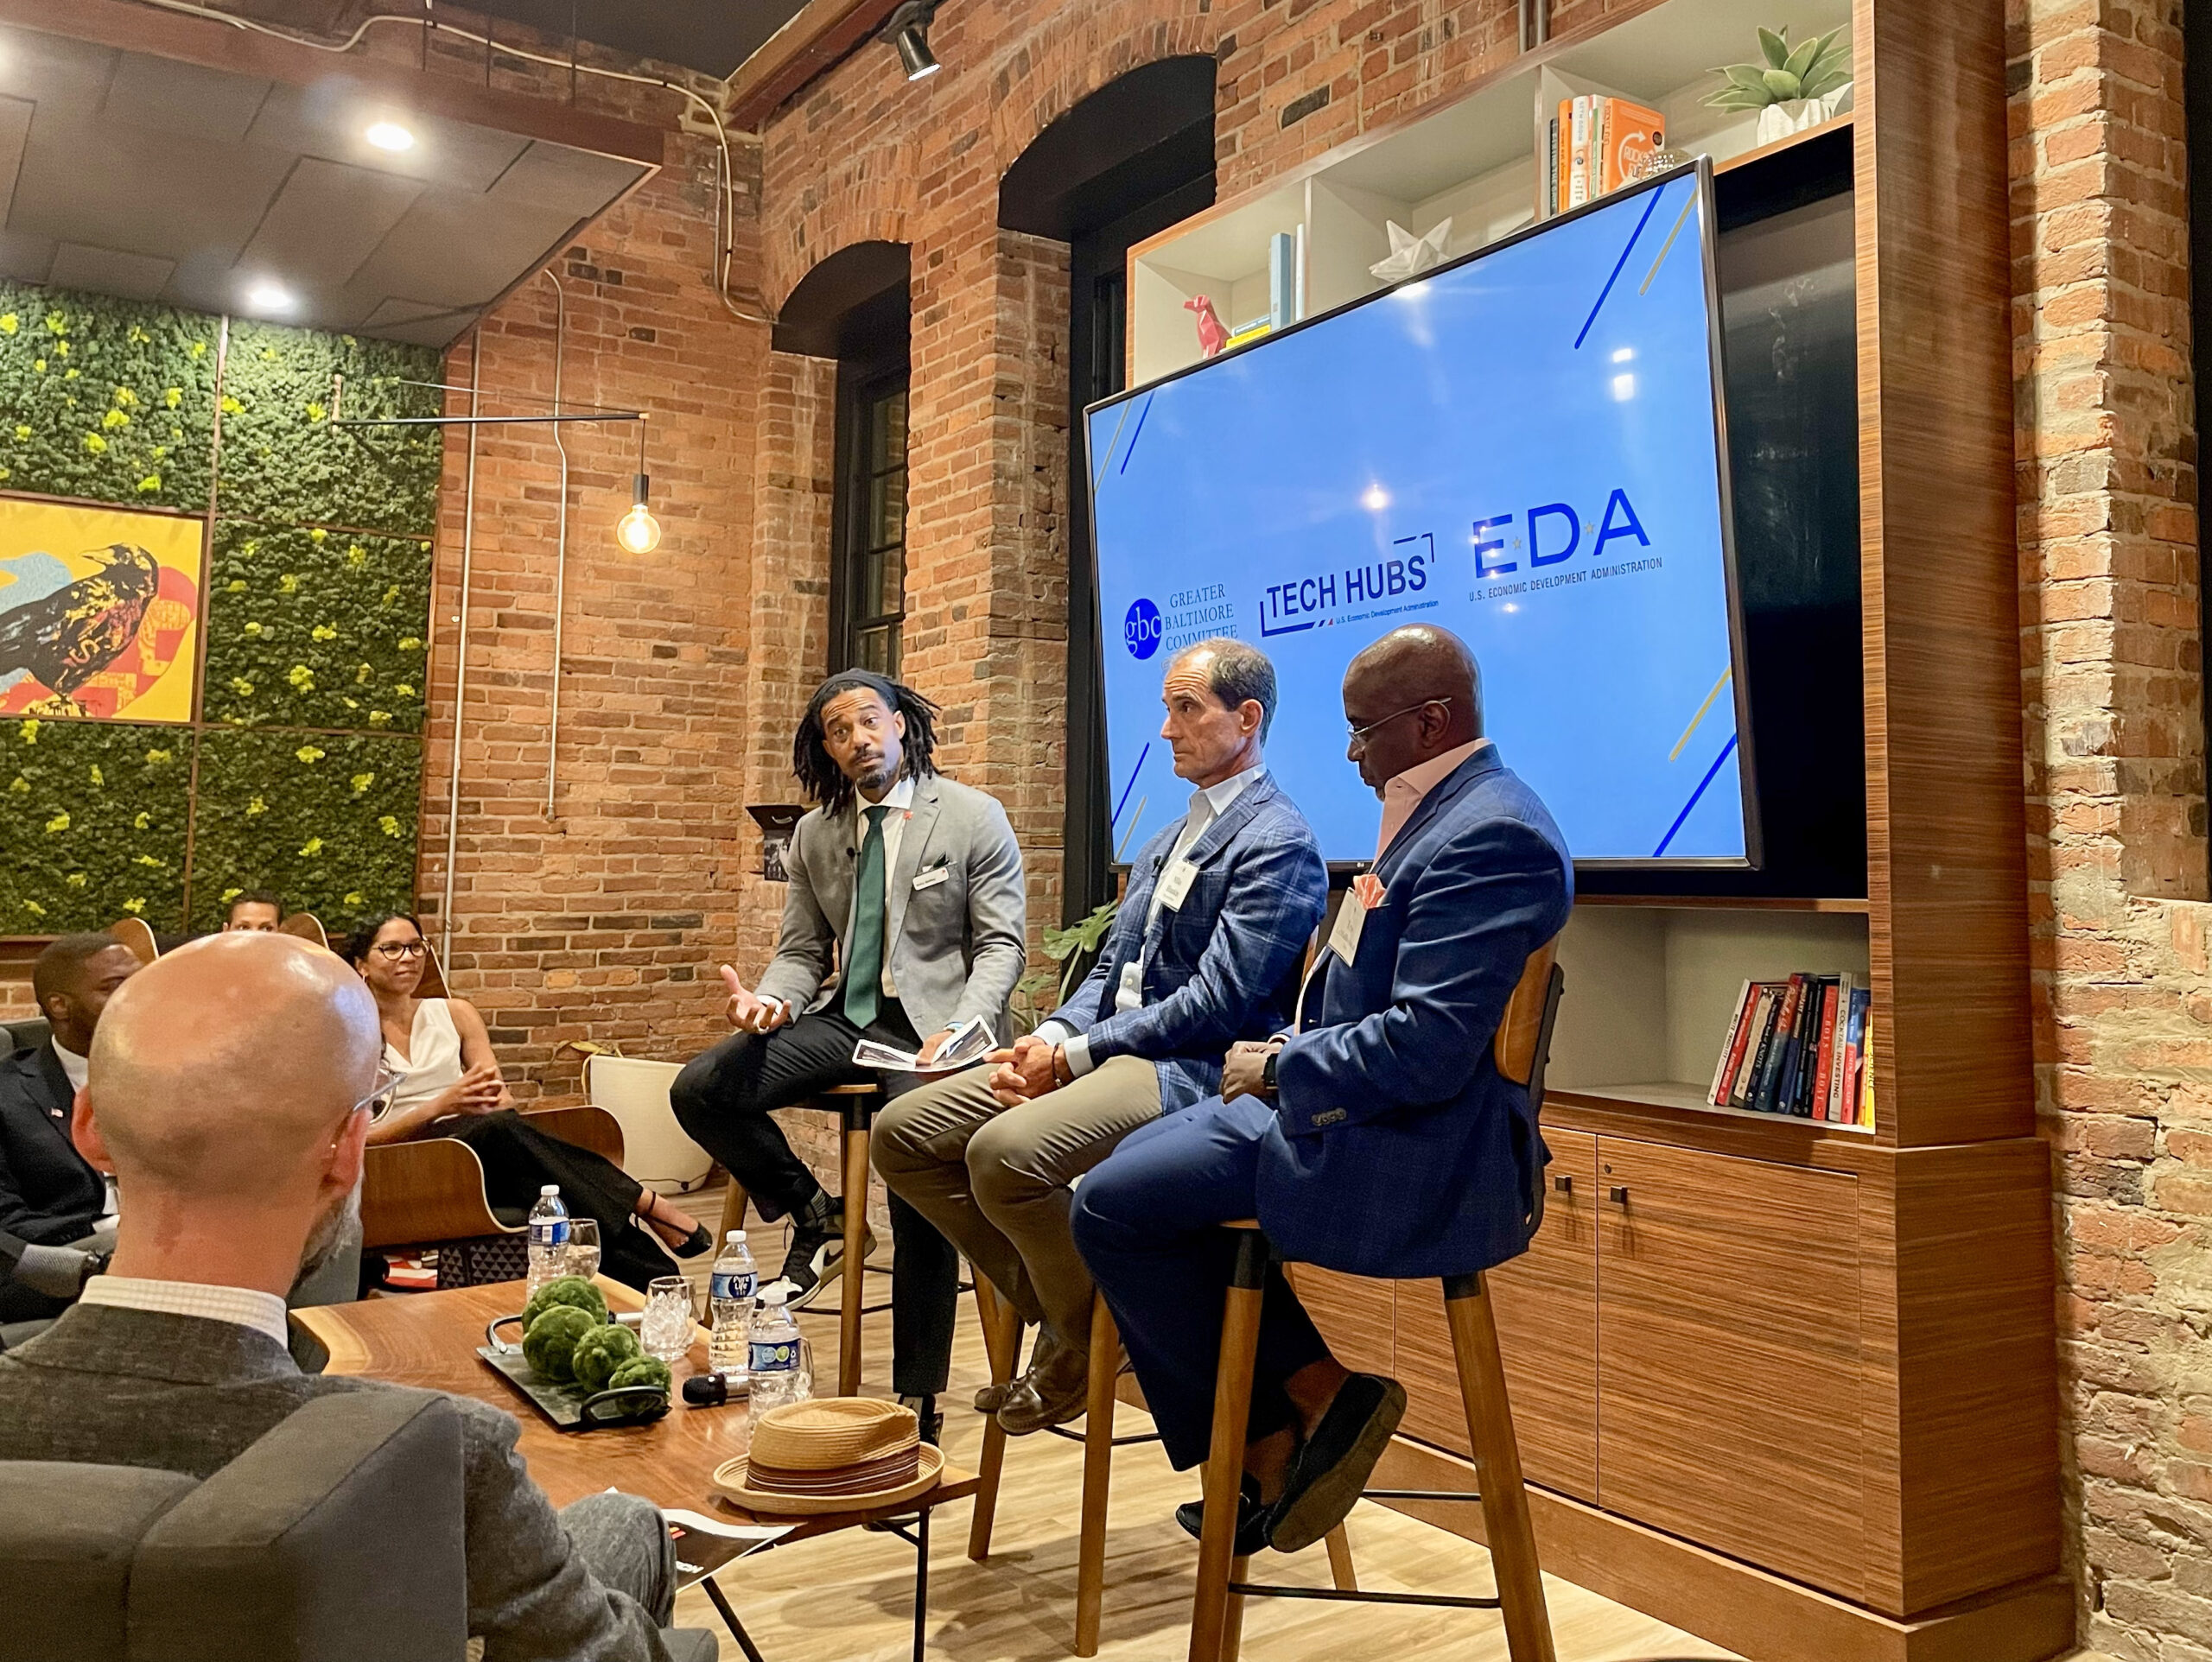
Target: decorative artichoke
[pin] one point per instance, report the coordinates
(571, 1290)
(599, 1352)
(641, 1370)
(551, 1343)
(1810, 71)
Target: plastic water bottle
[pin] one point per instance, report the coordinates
(729, 1296)
(549, 1238)
(779, 1373)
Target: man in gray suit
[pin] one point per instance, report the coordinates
(915, 882)
(231, 1084)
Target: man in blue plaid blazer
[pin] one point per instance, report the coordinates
(1205, 951)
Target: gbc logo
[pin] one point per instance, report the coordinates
(1141, 629)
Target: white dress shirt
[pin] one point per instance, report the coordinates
(246, 1307)
(1405, 792)
(80, 1069)
(1207, 805)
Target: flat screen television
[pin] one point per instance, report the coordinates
(1525, 445)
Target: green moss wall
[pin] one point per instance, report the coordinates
(301, 769)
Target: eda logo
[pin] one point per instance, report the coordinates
(1141, 629)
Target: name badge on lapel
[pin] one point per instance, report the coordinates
(1364, 895)
(1175, 883)
(931, 878)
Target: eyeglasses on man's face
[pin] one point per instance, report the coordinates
(1359, 734)
(395, 950)
(379, 1097)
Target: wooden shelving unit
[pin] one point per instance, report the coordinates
(1787, 1385)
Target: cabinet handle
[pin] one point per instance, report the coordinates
(1563, 1185)
(1617, 1194)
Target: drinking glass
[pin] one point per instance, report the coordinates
(666, 1331)
(582, 1255)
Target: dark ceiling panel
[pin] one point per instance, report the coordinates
(102, 270)
(712, 36)
(183, 97)
(122, 173)
(330, 118)
(327, 219)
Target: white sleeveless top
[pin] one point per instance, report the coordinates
(435, 1064)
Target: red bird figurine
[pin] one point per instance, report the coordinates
(1213, 335)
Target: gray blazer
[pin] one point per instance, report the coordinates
(125, 1387)
(956, 943)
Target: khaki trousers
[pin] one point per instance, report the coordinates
(996, 1181)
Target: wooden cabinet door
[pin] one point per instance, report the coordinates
(1728, 1296)
(1353, 1313)
(1546, 1303)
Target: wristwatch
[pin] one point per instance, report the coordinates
(1063, 1072)
(1267, 1072)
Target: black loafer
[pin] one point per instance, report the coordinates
(1252, 1518)
(1337, 1460)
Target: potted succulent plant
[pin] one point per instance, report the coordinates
(1791, 87)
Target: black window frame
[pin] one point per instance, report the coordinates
(861, 389)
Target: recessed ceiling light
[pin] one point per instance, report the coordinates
(267, 296)
(390, 136)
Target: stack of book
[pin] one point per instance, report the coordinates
(1801, 1047)
(1597, 143)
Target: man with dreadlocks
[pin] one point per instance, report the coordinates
(915, 881)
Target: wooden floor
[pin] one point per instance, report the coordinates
(849, 1598)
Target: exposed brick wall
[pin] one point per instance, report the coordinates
(2112, 666)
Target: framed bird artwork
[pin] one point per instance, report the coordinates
(99, 609)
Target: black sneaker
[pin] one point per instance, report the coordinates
(1253, 1521)
(817, 1254)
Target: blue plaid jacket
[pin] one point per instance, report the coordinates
(1223, 966)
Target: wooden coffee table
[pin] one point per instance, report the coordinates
(429, 1340)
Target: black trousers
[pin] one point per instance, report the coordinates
(520, 1159)
(724, 1098)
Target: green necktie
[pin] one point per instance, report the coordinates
(864, 959)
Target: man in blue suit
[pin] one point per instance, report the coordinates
(1379, 1139)
(1204, 951)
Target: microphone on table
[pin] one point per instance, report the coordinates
(707, 1390)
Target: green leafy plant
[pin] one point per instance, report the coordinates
(91, 824)
(316, 628)
(281, 459)
(327, 819)
(1783, 73)
(106, 400)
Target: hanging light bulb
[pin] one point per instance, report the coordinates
(637, 531)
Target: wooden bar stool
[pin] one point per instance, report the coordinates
(1521, 1048)
(855, 1107)
(1002, 1341)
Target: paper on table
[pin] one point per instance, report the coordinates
(971, 1041)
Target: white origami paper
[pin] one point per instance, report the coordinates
(1411, 255)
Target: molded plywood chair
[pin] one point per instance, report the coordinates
(1521, 1048)
(307, 927)
(430, 1194)
(133, 933)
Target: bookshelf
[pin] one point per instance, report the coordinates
(1786, 1384)
(1476, 158)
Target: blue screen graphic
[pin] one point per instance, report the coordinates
(1522, 448)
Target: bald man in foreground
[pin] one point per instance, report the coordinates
(1380, 1138)
(231, 1085)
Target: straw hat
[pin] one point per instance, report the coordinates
(837, 1453)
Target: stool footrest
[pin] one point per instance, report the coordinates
(1420, 1494)
(1115, 1443)
(1252, 1590)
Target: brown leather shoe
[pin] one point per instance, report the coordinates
(1053, 1392)
(992, 1397)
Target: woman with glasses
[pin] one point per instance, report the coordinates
(441, 1080)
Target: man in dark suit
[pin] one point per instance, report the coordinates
(232, 1086)
(1205, 951)
(49, 1195)
(1379, 1139)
